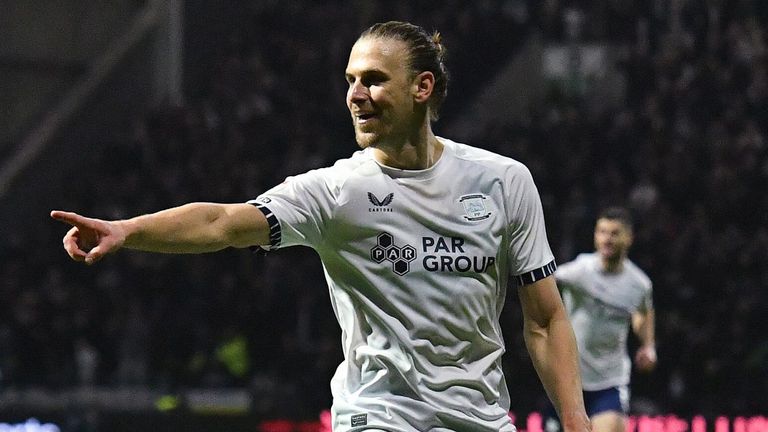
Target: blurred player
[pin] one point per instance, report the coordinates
(605, 293)
(418, 236)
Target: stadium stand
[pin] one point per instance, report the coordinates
(685, 148)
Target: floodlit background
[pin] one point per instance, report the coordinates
(116, 108)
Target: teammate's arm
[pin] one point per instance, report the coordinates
(643, 325)
(552, 346)
(190, 228)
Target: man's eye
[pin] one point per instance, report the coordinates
(373, 80)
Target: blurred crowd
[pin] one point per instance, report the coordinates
(685, 150)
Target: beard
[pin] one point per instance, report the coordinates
(370, 135)
(366, 139)
(384, 132)
(613, 254)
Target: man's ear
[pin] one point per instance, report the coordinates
(423, 85)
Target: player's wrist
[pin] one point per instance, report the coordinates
(576, 422)
(124, 230)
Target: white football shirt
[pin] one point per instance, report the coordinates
(600, 305)
(417, 264)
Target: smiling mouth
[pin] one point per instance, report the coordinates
(364, 117)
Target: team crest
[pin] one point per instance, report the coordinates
(474, 207)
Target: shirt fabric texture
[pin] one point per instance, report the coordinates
(417, 264)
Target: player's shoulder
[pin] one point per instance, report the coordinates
(354, 161)
(583, 261)
(587, 257)
(359, 163)
(490, 160)
(637, 274)
(572, 275)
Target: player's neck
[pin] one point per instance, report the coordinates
(418, 152)
(613, 264)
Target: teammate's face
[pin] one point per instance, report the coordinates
(612, 238)
(381, 90)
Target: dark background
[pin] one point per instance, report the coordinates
(683, 146)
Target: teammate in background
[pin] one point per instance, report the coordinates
(604, 293)
(418, 236)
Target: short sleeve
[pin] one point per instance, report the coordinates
(648, 299)
(530, 257)
(296, 210)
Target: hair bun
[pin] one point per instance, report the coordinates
(437, 39)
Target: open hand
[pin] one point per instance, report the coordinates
(89, 240)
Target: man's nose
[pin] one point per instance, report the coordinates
(357, 93)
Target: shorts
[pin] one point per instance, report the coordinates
(596, 402)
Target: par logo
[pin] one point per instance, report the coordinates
(387, 250)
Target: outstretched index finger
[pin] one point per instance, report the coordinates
(73, 219)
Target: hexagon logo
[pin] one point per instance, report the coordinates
(400, 267)
(385, 240)
(408, 253)
(393, 253)
(387, 250)
(378, 254)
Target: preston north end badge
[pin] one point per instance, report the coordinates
(474, 207)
